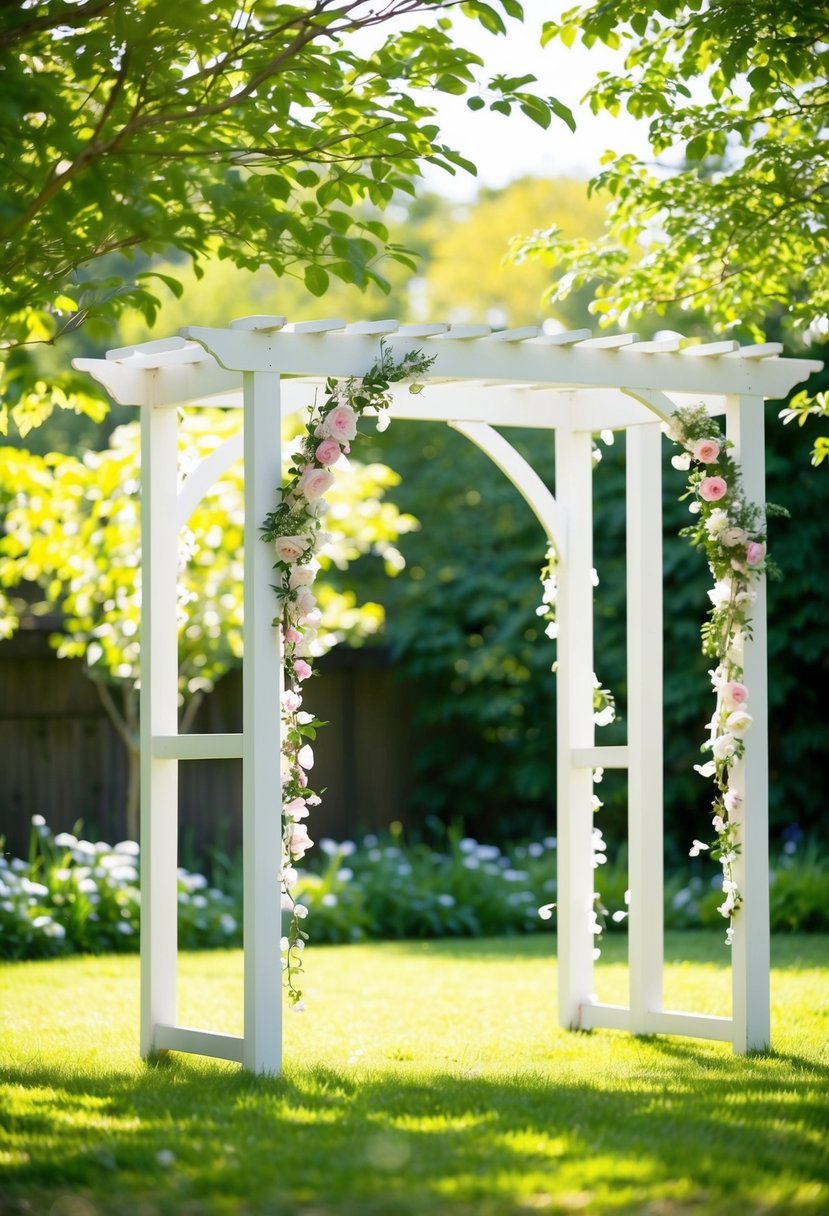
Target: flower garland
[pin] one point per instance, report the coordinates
(296, 532)
(731, 531)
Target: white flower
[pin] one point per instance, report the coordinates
(698, 847)
(720, 593)
(739, 720)
(724, 746)
(545, 912)
(716, 522)
(683, 462)
(706, 770)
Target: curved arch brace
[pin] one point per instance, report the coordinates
(204, 475)
(660, 403)
(522, 475)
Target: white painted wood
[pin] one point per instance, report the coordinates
(466, 333)
(429, 330)
(575, 729)
(695, 1025)
(206, 474)
(197, 747)
(200, 1042)
(708, 350)
(159, 715)
(261, 776)
(262, 324)
(325, 326)
(567, 338)
(609, 342)
(155, 346)
(523, 476)
(376, 328)
(514, 335)
(751, 948)
(600, 757)
(659, 346)
(763, 350)
(595, 1015)
(644, 721)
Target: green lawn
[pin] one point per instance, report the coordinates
(424, 1078)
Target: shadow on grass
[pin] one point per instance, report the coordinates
(682, 1128)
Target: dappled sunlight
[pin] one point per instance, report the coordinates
(428, 1078)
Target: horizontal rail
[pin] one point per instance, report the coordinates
(197, 747)
(600, 757)
(598, 1016)
(199, 1042)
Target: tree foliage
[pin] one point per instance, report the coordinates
(734, 218)
(252, 131)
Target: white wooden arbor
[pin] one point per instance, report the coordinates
(573, 384)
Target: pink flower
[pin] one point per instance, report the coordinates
(292, 636)
(302, 670)
(712, 489)
(290, 548)
(314, 482)
(734, 695)
(299, 841)
(706, 450)
(303, 576)
(755, 552)
(328, 452)
(296, 809)
(291, 701)
(340, 424)
(306, 601)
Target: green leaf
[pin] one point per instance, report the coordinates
(316, 280)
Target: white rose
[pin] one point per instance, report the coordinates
(733, 536)
(716, 522)
(739, 720)
(724, 746)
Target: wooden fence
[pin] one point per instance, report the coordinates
(61, 757)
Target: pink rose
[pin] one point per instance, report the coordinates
(303, 576)
(340, 424)
(302, 670)
(291, 701)
(292, 636)
(734, 695)
(712, 489)
(706, 450)
(290, 548)
(755, 552)
(328, 452)
(314, 482)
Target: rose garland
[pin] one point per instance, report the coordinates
(295, 530)
(731, 531)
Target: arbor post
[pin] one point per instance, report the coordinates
(751, 950)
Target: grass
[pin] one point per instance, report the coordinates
(424, 1079)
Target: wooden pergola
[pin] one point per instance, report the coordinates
(573, 384)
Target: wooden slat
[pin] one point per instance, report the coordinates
(430, 330)
(372, 327)
(156, 346)
(763, 350)
(260, 324)
(600, 757)
(657, 347)
(596, 1016)
(465, 332)
(197, 747)
(610, 342)
(706, 349)
(199, 1042)
(515, 335)
(568, 338)
(324, 326)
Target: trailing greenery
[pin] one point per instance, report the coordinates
(72, 895)
(425, 1079)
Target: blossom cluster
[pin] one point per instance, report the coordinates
(731, 531)
(296, 532)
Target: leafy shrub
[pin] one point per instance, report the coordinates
(76, 896)
(72, 895)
